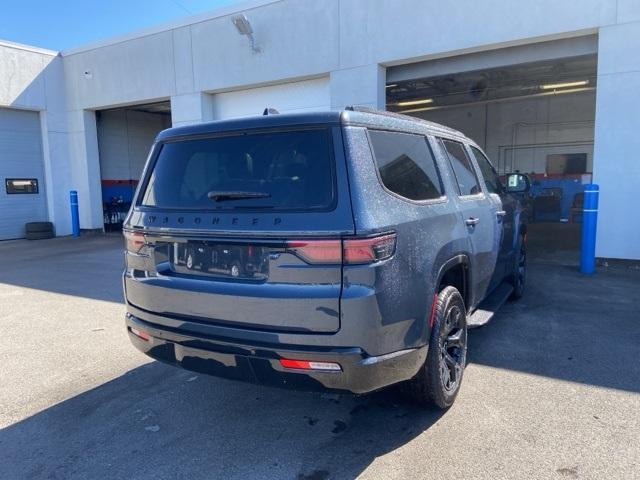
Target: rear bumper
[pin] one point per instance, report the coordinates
(259, 363)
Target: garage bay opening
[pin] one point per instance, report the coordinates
(125, 136)
(533, 117)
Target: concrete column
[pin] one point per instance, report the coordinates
(616, 167)
(85, 167)
(191, 108)
(55, 147)
(363, 86)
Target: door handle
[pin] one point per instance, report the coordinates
(501, 213)
(472, 221)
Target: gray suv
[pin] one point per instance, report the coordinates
(345, 251)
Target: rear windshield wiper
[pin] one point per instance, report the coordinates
(219, 196)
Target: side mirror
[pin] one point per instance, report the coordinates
(518, 183)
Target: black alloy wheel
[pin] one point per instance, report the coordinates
(452, 348)
(438, 381)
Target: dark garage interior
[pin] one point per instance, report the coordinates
(535, 118)
(124, 138)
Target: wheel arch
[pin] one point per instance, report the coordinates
(456, 272)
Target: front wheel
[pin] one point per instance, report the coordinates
(439, 379)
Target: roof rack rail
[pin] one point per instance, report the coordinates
(270, 111)
(399, 116)
(362, 108)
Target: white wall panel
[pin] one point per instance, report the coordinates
(388, 31)
(617, 142)
(308, 95)
(141, 69)
(297, 39)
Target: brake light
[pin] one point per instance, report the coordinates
(369, 250)
(317, 251)
(307, 365)
(133, 241)
(348, 251)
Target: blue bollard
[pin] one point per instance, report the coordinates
(75, 216)
(589, 221)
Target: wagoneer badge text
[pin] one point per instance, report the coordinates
(217, 220)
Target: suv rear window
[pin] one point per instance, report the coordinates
(290, 170)
(406, 165)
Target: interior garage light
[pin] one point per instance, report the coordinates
(410, 103)
(421, 109)
(554, 86)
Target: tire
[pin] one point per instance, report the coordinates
(38, 235)
(519, 276)
(438, 381)
(33, 227)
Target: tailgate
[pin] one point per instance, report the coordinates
(260, 284)
(221, 222)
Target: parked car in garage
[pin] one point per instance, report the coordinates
(346, 251)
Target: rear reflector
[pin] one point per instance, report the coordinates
(307, 365)
(133, 241)
(432, 313)
(140, 334)
(348, 251)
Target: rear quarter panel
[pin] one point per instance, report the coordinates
(396, 294)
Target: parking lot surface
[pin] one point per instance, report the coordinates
(552, 390)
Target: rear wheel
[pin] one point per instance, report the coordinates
(439, 380)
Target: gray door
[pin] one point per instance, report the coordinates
(479, 216)
(20, 159)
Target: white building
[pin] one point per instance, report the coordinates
(540, 85)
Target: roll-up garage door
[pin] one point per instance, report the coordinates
(303, 96)
(22, 194)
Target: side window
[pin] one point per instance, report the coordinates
(462, 168)
(406, 165)
(488, 172)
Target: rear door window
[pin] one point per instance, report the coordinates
(491, 179)
(406, 165)
(462, 168)
(274, 171)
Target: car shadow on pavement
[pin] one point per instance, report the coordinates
(568, 326)
(157, 421)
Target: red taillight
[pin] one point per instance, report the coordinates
(310, 365)
(133, 241)
(140, 334)
(369, 250)
(348, 251)
(317, 251)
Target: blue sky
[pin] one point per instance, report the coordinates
(61, 24)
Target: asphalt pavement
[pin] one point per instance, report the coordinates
(552, 390)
